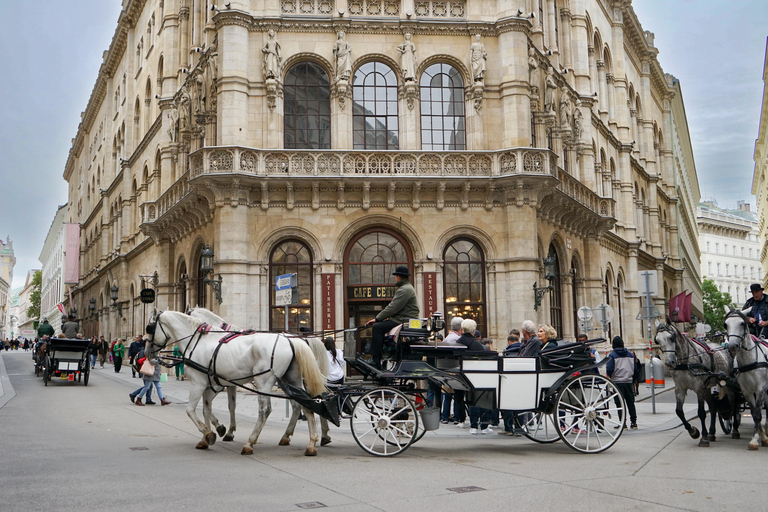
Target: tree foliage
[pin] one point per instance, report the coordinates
(34, 298)
(715, 304)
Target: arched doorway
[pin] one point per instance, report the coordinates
(369, 260)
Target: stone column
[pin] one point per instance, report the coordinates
(537, 24)
(566, 39)
(624, 201)
(602, 106)
(341, 115)
(515, 91)
(517, 297)
(655, 233)
(611, 99)
(550, 13)
(231, 260)
(233, 109)
(409, 107)
(183, 46)
(581, 56)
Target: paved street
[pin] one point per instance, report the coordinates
(70, 447)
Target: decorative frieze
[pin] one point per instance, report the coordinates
(440, 9)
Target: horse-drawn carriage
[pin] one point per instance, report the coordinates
(65, 359)
(558, 396)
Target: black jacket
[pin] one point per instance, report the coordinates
(472, 344)
(757, 308)
(532, 347)
(135, 347)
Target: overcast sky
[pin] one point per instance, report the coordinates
(54, 48)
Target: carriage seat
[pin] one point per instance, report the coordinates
(406, 330)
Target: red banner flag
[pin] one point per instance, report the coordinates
(676, 307)
(685, 313)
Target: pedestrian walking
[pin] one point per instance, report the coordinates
(620, 369)
(180, 366)
(146, 387)
(133, 351)
(118, 350)
(103, 348)
(94, 350)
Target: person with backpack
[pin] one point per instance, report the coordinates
(145, 388)
(621, 369)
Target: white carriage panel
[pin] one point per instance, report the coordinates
(518, 391)
(67, 366)
(519, 364)
(546, 380)
(473, 365)
(483, 380)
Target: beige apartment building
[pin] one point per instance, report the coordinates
(491, 146)
(759, 183)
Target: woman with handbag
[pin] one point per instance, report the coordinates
(149, 371)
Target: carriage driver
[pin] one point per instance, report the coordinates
(402, 307)
(758, 311)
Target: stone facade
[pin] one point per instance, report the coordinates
(7, 262)
(759, 183)
(468, 140)
(52, 290)
(26, 324)
(730, 250)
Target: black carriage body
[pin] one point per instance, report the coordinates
(65, 357)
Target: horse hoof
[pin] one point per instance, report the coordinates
(202, 445)
(712, 438)
(211, 438)
(285, 441)
(324, 441)
(735, 435)
(310, 452)
(753, 446)
(694, 433)
(703, 443)
(228, 437)
(247, 450)
(221, 430)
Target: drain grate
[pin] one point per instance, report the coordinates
(470, 488)
(138, 448)
(310, 504)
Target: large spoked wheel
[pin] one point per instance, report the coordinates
(46, 377)
(87, 373)
(591, 413)
(384, 422)
(539, 427)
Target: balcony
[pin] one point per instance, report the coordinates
(479, 177)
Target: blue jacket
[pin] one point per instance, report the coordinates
(621, 365)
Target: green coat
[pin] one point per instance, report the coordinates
(118, 350)
(403, 305)
(43, 329)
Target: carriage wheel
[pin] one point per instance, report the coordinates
(37, 370)
(588, 415)
(384, 422)
(539, 427)
(87, 374)
(45, 376)
(420, 430)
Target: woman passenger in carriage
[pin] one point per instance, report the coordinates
(467, 338)
(548, 336)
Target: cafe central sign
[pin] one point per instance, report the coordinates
(370, 292)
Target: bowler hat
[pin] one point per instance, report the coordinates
(755, 287)
(401, 270)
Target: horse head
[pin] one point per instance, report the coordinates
(735, 324)
(666, 338)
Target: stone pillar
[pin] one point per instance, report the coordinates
(580, 54)
(594, 85)
(517, 297)
(515, 91)
(341, 115)
(231, 260)
(566, 39)
(183, 46)
(409, 107)
(611, 99)
(602, 106)
(537, 24)
(624, 201)
(273, 108)
(233, 110)
(550, 13)
(655, 233)
(587, 167)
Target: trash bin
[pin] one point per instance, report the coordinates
(658, 374)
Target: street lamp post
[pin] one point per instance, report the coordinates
(206, 267)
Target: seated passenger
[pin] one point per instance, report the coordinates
(548, 336)
(531, 343)
(468, 339)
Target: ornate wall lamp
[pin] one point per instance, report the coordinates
(549, 274)
(92, 306)
(206, 267)
(113, 295)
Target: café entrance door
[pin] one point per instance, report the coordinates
(369, 260)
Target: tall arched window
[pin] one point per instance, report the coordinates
(442, 109)
(464, 282)
(555, 299)
(307, 107)
(374, 108)
(291, 257)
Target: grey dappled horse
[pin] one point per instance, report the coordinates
(693, 366)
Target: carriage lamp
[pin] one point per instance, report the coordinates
(206, 267)
(550, 270)
(113, 295)
(92, 306)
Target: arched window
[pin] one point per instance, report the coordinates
(374, 256)
(374, 109)
(442, 109)
(291, 257)
(307, 107)
(464, 282)
(555, 299)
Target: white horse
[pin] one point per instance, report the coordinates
(318, 349)
(752, 371)
(255, 359)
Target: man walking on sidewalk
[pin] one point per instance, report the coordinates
(133, 351)
(620, 369)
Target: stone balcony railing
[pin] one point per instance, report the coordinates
(270, 164)
(340, 163)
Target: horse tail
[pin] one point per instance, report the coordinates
(321, 354)
(314, 380)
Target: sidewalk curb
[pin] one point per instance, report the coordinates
(8, 393)
(671, 388)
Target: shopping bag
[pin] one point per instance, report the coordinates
(147, 368)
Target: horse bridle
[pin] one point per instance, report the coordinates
(741, 337)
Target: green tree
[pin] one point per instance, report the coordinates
(37, 283)
(715, 304)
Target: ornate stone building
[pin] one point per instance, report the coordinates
(759, 183)
(469, 140)
(7, 262)
(52, 289)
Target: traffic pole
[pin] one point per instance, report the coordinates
(650, 338)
